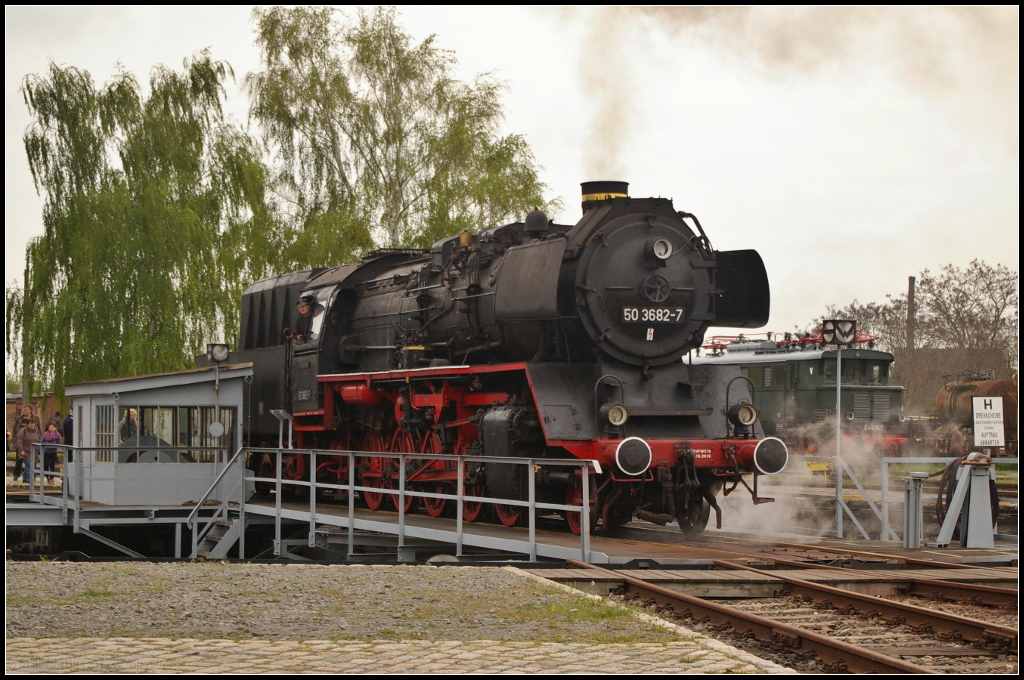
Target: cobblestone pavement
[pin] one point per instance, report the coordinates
(142, 617)
(163, 655)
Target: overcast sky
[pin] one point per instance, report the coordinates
(851, 147)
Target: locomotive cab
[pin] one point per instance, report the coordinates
(306, 350)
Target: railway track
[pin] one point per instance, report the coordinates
(830, 629)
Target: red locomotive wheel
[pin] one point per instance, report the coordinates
(435, 506)
(373, 499)
(374, 466)
(574, 496)
(508, 515)
(402, 442)
(472, 510)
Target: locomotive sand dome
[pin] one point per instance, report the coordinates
(530, 339)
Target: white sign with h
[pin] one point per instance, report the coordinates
(988, 421)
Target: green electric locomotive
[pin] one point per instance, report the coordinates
(793, 377)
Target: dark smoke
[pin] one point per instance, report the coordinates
(964, 55)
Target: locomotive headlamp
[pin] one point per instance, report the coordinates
(742, 414)
(662, 249)
(771, 456)
(633, 456)
(616, 414)
(217, 352)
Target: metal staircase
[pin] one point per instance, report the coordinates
(221, 537)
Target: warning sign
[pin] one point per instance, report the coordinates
(988, 421)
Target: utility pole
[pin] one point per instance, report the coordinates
(911, 314)
(840, 332)
(838, 464)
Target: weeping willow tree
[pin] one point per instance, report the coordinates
(377, 144)
(154, 219)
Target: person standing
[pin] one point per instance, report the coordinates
(55, 419)
(957, 441)
(69, 436)
(129, 426)
(26, 418)
(27, 436)
(51, 436)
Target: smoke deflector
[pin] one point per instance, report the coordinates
(746, 299)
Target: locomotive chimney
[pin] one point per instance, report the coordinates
(602, 191)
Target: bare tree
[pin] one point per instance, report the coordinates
(967, 319)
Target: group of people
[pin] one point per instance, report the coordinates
(28, 430)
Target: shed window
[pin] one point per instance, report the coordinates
(104, 433)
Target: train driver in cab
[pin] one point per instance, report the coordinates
(306, 327)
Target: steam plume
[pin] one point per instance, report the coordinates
(964, 55)
(604, 75)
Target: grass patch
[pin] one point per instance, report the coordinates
(98, 592)
(576, 611)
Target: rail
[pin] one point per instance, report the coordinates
(456, 463)
(836, 652)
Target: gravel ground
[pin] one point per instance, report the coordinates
(298, 601)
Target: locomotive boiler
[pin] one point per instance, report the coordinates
(530, 339)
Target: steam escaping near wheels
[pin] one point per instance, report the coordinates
(771, 456)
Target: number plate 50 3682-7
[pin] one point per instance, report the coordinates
(653, 315)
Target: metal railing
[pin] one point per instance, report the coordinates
(886, 501)
(79, 469)
(455, 463)
(838, 493)
(874, 494)
(198, 535)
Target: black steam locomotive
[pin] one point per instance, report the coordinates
(530, 339)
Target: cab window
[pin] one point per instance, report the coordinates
(852, 372)
(322, 301)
